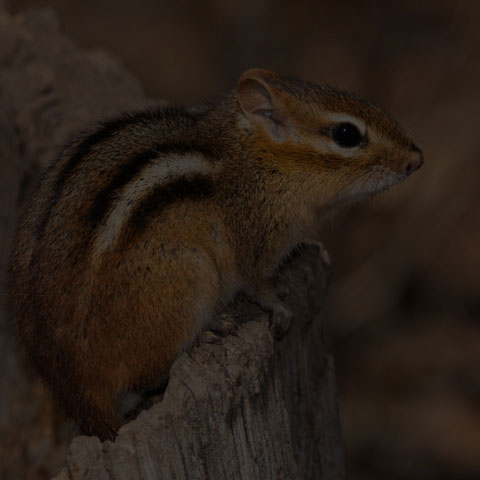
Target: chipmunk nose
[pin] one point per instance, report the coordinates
(413, 161)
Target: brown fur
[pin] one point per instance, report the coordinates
(99, 324)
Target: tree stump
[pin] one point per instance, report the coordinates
(250, 407)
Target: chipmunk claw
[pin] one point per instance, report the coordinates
(280, 315)
(222, 325)
(280, 320)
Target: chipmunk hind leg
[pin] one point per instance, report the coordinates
(138, 355)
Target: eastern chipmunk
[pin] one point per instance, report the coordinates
(146, 227)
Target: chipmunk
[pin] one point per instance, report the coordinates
(147, 226)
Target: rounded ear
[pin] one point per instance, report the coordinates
(254, 93)
(257, 100)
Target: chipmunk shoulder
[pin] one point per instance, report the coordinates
(151, 223)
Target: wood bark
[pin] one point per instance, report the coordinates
(247, 407)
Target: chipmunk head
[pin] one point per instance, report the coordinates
(337, 140)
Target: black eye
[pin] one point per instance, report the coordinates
(346, 135)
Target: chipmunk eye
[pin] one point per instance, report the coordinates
(346, 135)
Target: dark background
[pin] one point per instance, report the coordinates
(404, 305)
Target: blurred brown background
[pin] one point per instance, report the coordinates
(404, 304)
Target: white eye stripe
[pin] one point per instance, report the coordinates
(344, 117)
(328, 146)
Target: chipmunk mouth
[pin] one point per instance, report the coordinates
(382, 177)
(378, 179)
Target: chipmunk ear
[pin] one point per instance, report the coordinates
(259, 102)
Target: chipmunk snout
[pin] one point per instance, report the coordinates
(413, 161)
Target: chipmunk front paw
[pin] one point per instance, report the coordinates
(280, 320)
(222, 325)
(280, 315)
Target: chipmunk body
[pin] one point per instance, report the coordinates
(146, 227)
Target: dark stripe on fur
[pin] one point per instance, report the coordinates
(132, 169)
(106, 130)
(195, 188)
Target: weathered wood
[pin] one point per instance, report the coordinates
(249, 407)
